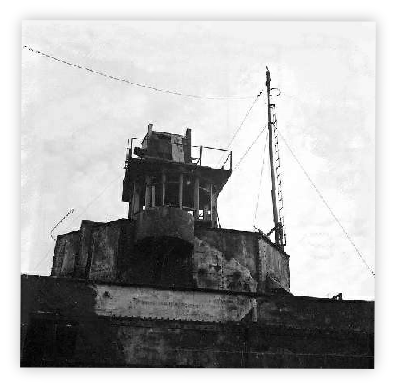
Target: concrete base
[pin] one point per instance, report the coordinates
(165, 222)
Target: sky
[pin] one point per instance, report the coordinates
(75, 126)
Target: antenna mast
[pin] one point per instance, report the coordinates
(278, 228)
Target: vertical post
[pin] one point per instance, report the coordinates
(163, 180)
(206, 212)
(231, 160)
(136, 199)
(181, 191)
(215, 216)
(127, 155)
(187, 149)
(211, 205)
(273, 190)
(149, 129)
(153, 195)
(196, 198)
(131, 203)
(200, 155)
(147, 193)
(131, 149)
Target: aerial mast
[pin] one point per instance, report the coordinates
(278, 228)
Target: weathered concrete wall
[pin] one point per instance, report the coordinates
(83, 264)
(121, 301)
(313, 313)
(67, 322)
(66, 253)
(274, 267)
(96, 251)
(161, 222)
(247, 261)
(148, 252)
(179, 345)
(104, 242)
(213, 270)
(148, 343)
(57, 259)
(70, 297)
(238, 245)
(151, 343)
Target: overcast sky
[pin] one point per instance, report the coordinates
(75, 126)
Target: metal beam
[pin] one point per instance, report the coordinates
(181, 191)
(273, 190)
(196, 198)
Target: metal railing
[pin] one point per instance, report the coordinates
(198, 160)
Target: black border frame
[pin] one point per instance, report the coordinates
(382, 220)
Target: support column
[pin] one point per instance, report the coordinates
(275, 213)
(206, 212)
(153, 195)
(211, 204)
(181, 191)
(136, 199)
(163, 181)
(131, 203)
(147, 193)
(214, 210)
(196, 198)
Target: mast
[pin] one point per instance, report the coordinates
(277, 225)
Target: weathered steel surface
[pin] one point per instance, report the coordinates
(84, 256)
(240, 245)
(80, 298)
(65, 253)
(161, 222)
(311, 313)
(160, 249)
(213, 270)
(275, 271)
(252, 256)
(121, 301)
(105, 241)
(66, 322)
(172, 345)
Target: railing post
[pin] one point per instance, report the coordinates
(163, 180)
(131, 203)
(147, 193)
(211, 205)
(153, 196)
(181, 190)
(196, 198)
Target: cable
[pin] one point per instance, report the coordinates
(261, 178)
(60, 221)
(92, 201)
(327, 205)
(81, 213)
(248, 149)
(45, 257)
(241, 124)
(135, 83)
